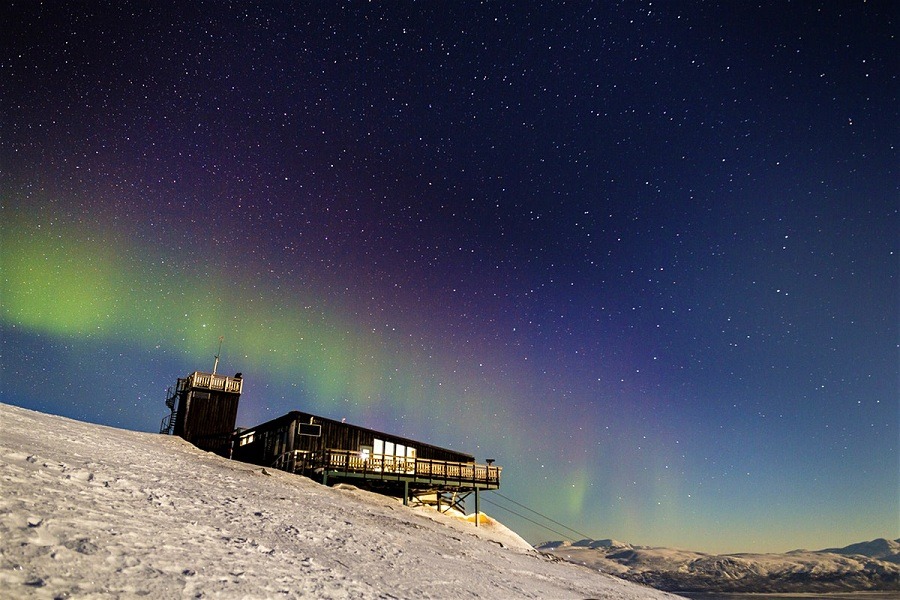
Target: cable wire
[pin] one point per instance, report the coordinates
(583, 535)
(529, 520)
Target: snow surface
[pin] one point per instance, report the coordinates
(92, 511)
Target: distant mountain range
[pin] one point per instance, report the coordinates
(871, 566)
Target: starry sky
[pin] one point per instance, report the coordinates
(643, 254)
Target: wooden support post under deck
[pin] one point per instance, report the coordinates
(477, 507)
(405, 493)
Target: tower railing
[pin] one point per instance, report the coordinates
(215, 382)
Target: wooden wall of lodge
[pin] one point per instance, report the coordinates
(278, 437)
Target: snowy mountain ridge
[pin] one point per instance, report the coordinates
(882, 549)
(866, 566)
(93, 511)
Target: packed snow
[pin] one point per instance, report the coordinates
(88, 511)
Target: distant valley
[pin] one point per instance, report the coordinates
(866, 566)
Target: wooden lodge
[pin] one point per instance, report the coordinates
(204, 412)
(334, 451)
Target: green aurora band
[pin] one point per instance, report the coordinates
(65, 286)
(71, 282)
(65, 282)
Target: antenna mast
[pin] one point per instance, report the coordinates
(216, 364)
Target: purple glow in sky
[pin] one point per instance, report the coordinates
(643, 255)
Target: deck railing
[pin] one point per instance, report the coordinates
(377, 466)
(215, 382)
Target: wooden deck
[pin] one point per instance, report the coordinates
(418, 472)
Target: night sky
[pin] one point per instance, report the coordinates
(642, 254)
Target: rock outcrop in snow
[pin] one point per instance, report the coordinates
(91, 511)
(865, 566)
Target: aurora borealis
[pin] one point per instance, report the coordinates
(643, 255)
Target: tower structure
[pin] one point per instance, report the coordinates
(204, 410)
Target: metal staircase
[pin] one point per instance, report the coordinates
(167, 425)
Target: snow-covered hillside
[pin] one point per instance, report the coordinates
(865, 566)
(93, 511)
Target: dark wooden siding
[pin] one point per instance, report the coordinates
(275, 438)
(206, 418)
